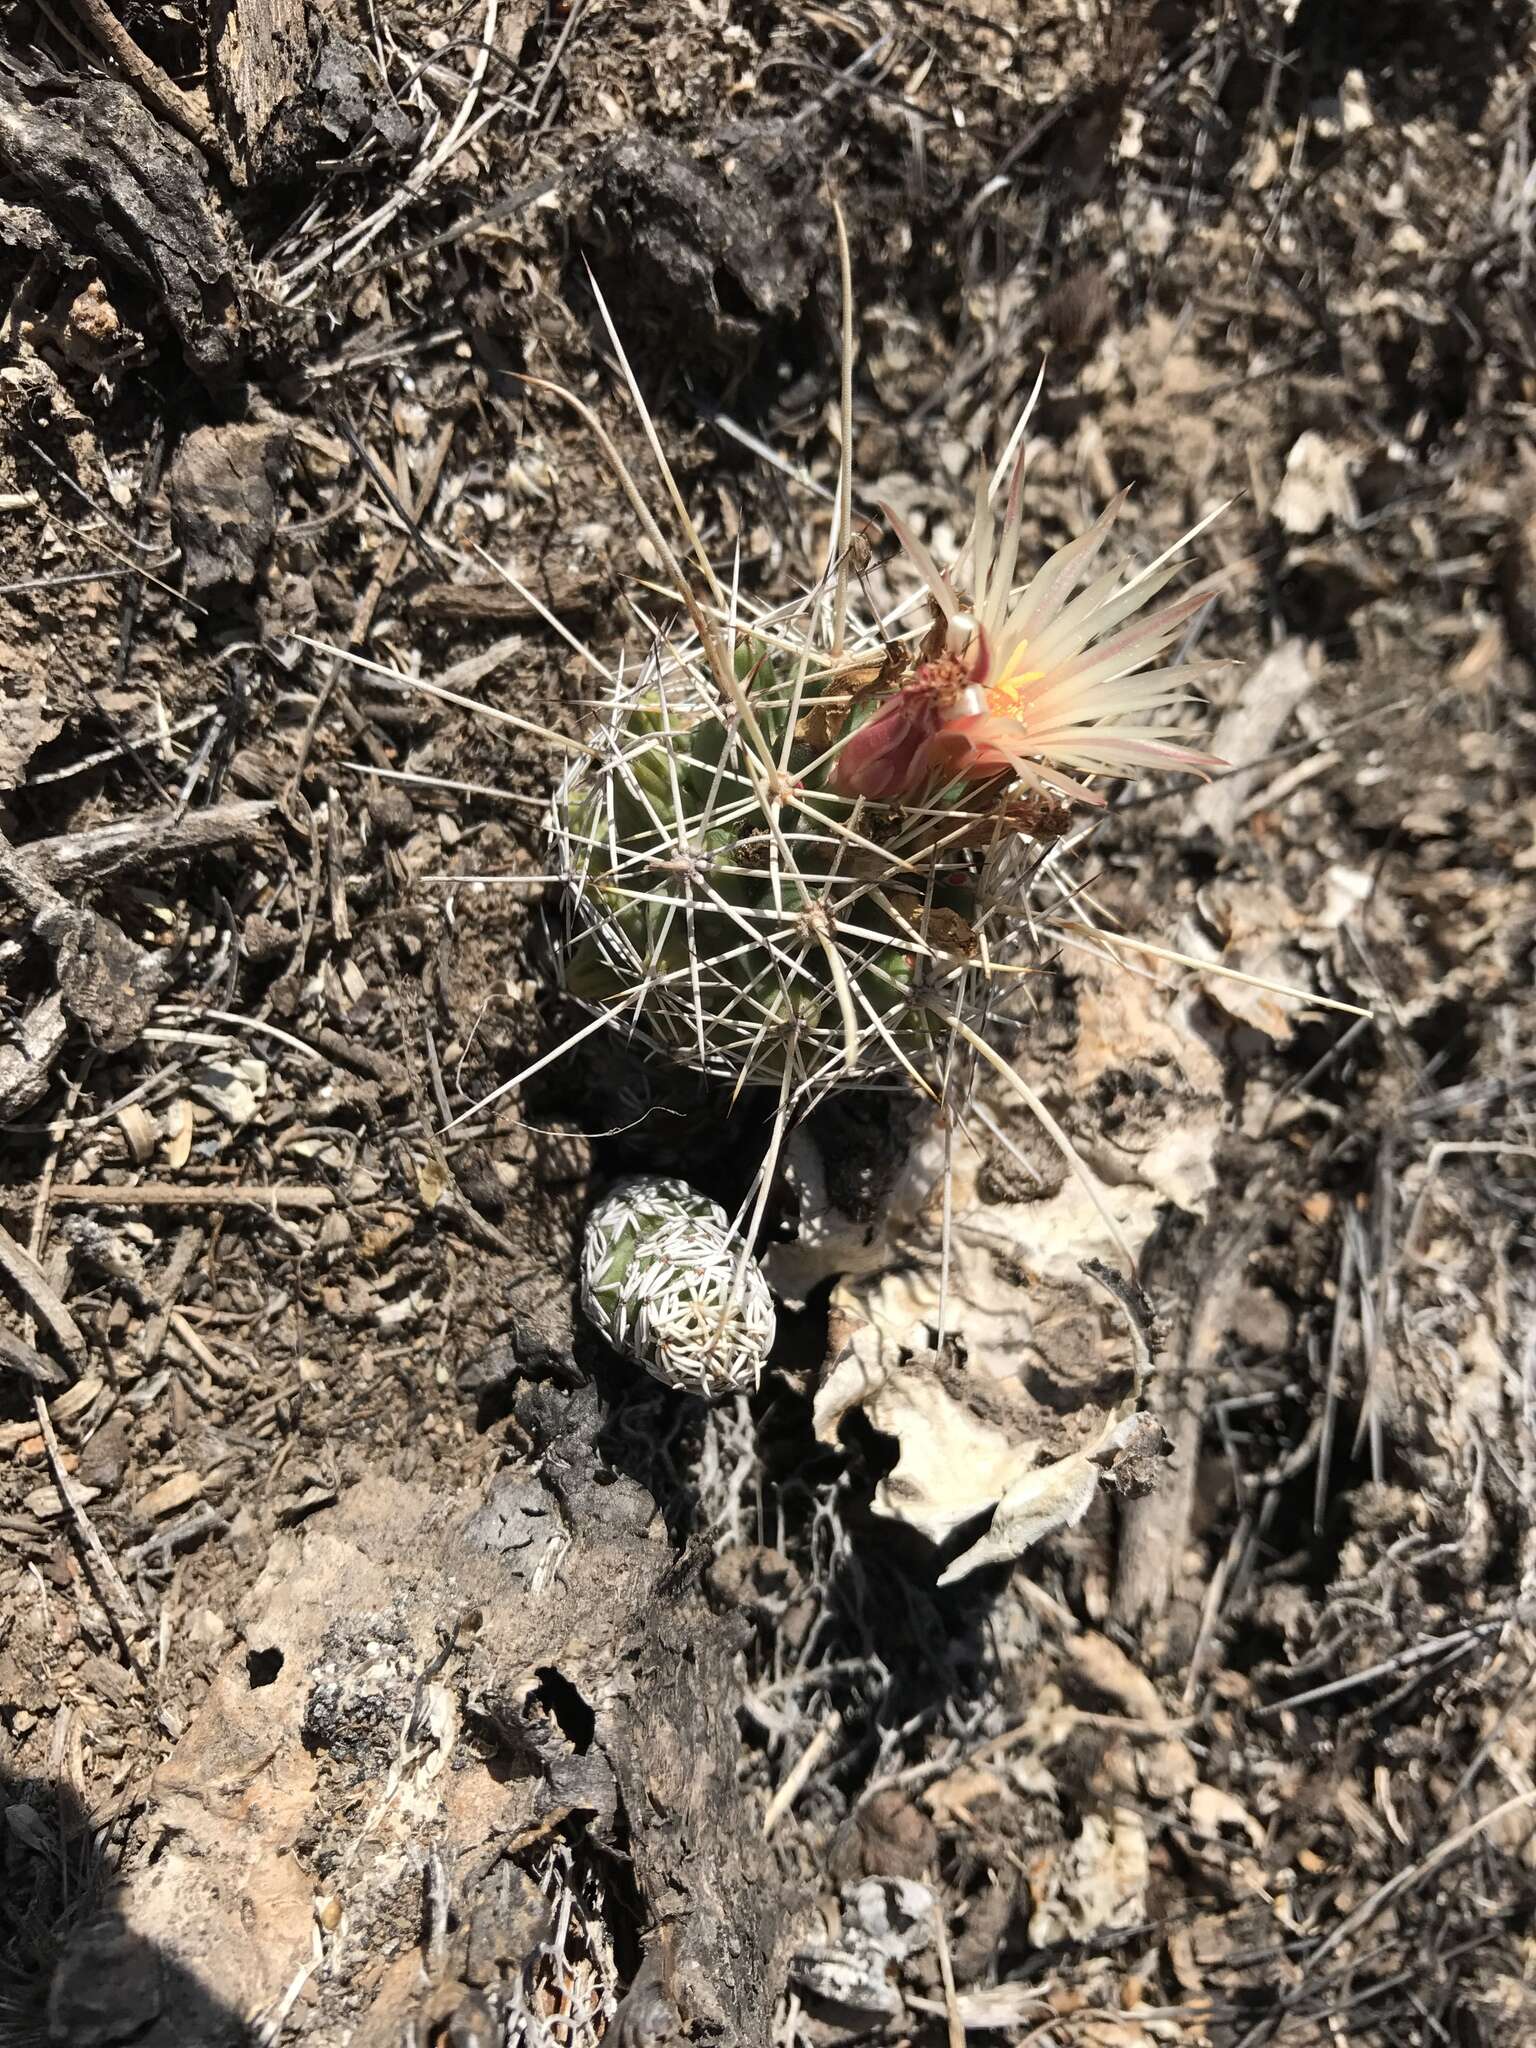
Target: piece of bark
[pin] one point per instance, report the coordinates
(259, 58)
(721, 1925)
(26, 718)
(1155, 1529)
(98, 163)
(1248, 731)
(17, 1357)
(31, 1282)
(106, 982)
(27, 1062)
(675, 1747)
(223, 491)
(669, 230)
(152, 841)
(160, 94)
(493, 602)
(288, 89)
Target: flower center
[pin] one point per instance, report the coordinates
(1003, 697)
(944, 678)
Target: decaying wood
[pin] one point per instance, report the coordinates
(173, 1195)
(495, 602)
(166, 99)
(223, 490)
(27, 1062)
(259, 58)
(31, 1283)
(105, 982)
(20, 1357)
(1154, 1529)
(674, 1743)
(720, 1918)
(100, 165)
(152, 841)
(388, 1644)
(288, 88)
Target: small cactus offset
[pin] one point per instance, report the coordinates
(668, 1284)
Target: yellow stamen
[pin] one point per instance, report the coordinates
(1004, 694)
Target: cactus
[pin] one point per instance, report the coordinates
(666, 1282)
(801, 846)
(731, 908)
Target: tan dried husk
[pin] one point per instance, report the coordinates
(1033, 1393)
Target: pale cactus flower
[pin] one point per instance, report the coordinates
(1037, 686)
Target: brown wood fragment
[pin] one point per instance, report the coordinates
(492, 601)
(155, 840)
(164, 98)
(362, 1059)
(1154, 1530)
(223, 491)
(259, 59)
(19, 1357)
(92, 157)
(708, 1878)
(105, 981)
(289, 88)
(175, 1492)
(189, 1241)
(26, 1064)
(28, 1278)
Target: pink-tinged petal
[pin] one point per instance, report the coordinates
(877, 760)
(1060, 576)
(994, 604)
(1046, 775)
(1091, 612)
(977, 748)
(945, 758)
(1117, 752)
(981, 547)
(979, 665)
(1129, 650)
(939, 586)
(1045, 684)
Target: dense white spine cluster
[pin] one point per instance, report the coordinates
(670, 1286)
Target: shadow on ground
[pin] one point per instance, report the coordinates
(73, 1974)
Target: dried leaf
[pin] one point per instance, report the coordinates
(1095, 1882)
(234, 1088)
(1317, 486)
(1055, 1497)
(953, 1463)
(140, 1131)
